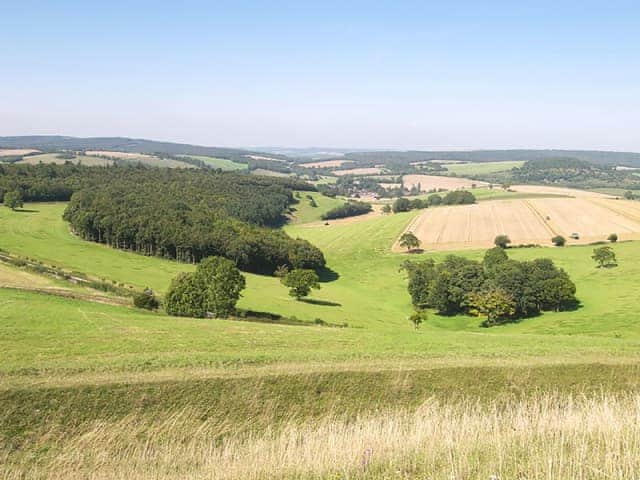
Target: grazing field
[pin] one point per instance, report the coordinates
(358, 171)
(55, 159)
(325, 164)
(527, 221)
(221, 163)
(482, 168)
(304, 212)
(430, 183)
(89, 390)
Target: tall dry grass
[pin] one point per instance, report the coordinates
(550, 437)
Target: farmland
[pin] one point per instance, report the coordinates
(527, 221)
(434, 182)
(12, 152)
(482, 168)
(55, 158)
(325, 164)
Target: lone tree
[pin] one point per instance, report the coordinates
(496, 305)
(13, 200)
(409, 241)
(604, 257)
(559, 241)
(214, 288)
(417, 318)
(613, 238)
(300, 282)
(501, 241)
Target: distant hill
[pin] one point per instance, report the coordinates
(629, 159)
(132, 145)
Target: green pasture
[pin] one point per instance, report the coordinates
(462, 169)
(221, 163)
(369, 294)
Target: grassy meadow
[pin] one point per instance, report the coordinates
(221, 163)
(484, 168)
(90, 390)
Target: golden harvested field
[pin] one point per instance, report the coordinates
(526, 221)
(55, 159)
(118, 155)
(435, 182)
(570, 192)
(326, 164)
(10, 152)
(359, 171)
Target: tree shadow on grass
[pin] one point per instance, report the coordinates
(327, 275)
(26, 210)
(325, 303)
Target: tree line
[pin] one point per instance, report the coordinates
(498, 288)
(348, 209)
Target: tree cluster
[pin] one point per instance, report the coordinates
(500, 289)
(349, 209)
(213, 289)
(456, 197)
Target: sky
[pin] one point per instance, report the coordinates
(379, 74)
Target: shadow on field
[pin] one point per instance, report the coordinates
(26, 210)
(325, 303)
(327, 275)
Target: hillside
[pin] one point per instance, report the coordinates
(630, 159)
(124, 144)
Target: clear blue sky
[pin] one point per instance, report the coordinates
(383, 74)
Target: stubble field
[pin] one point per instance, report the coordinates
(528, 221)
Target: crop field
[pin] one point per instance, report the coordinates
(482, 168)
(55, 159)
(434, 183)
(326, 163)
(10, 152)
(358, 171)
(527, 221)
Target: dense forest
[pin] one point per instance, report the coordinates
(174, 213)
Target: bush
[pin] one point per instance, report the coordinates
(459, 197)
(146, 300)
(401, 205)
(502, 241)
(434, 200)
(613, 238)
(559, 241)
